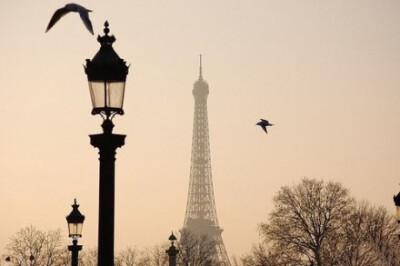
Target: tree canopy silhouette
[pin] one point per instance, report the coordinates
(319, 223)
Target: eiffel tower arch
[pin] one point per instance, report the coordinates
(201, 213)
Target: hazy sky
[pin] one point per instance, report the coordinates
(326, 73)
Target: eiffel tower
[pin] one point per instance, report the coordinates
(201, 214)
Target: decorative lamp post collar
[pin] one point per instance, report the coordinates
(106, 74)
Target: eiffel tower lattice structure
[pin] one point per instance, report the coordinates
(201, 214)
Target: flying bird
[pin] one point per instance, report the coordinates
(83, 12)
(264, 124)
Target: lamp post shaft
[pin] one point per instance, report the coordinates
(107, 143)
(172, 252)
(74, 248)
(172, 259)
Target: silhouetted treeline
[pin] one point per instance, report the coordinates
(319, 223)
(50, 249)
(312, 223)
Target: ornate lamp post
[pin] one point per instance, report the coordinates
(75, 224)
(172, 251)
(397, 203)
(106, 74)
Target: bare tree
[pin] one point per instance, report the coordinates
(187, 247)
(158, 255)
(127, 257)
(381, 232)
(350, 244)
(259, 256)
(88, 257)
(303, 217)
(154, 256)
(32, 247)
(318, 223)
(196, 250)
(367, 238)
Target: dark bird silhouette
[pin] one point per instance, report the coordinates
(264, 124)
(83, 12)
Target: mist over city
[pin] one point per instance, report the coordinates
(232, 133)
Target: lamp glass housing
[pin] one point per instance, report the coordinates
(107, 95)
(75, 229)
(75, 221)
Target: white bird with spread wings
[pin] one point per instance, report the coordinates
(83, 12)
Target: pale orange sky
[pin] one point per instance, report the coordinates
(326, 73)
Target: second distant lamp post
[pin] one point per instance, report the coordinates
(397, 203)
(172, 251)
(75, 224)
(106, 74)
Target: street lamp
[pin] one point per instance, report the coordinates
(397, 203)
(106, 74)
(75, 224)
(172, 251)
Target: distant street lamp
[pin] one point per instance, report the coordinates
(106, 74)
(75, 224)
(397, 203)
(172, 251)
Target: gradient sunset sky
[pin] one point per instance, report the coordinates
(326, 73)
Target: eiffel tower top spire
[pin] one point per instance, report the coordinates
(200, 70)
(200, 88)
